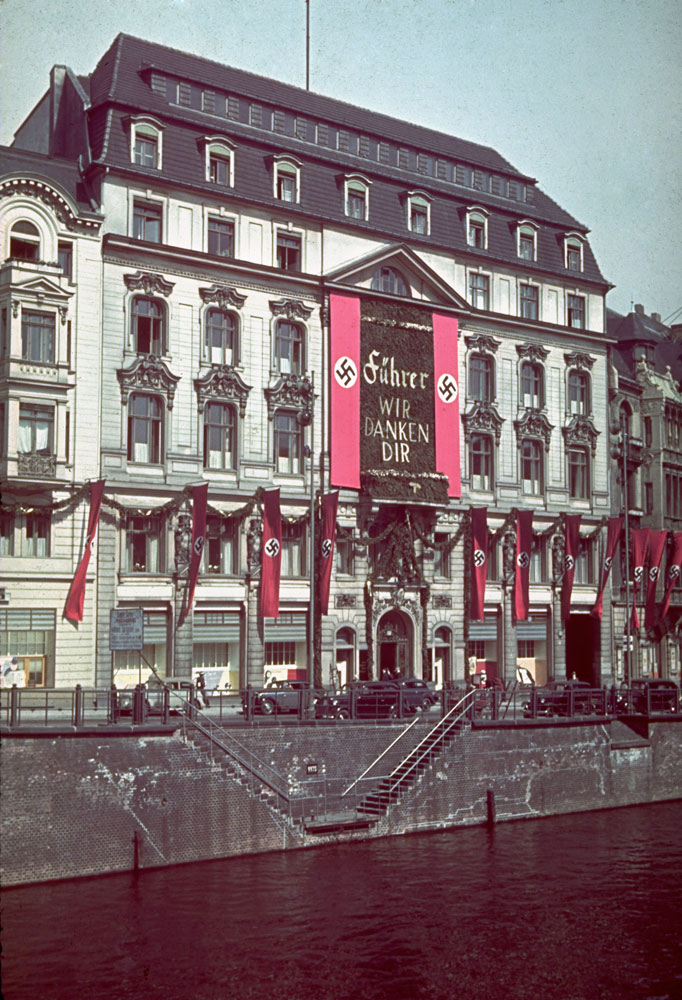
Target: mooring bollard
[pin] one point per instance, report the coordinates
(114, 713)
(14, 706)
(78, 706)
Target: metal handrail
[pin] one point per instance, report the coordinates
(383, 753)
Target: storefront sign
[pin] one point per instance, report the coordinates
(126, 628)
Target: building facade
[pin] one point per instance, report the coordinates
(234, 209)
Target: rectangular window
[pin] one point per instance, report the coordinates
(65, 258)
(220, 550)
(208, 101)
(35, 541)
(146, 150)
(576, 311)
(143, 545)
(147, 217)
(356, 203)
(288, 443)
(526, 246)
(145, 439)
(441, 556)
(344, 556)
(538, 561)
(6, 534)
(288, 252)
(476, 234)
(219, 169)
(481, 458)
(573, 258)
(219, 434)
(280, 654)
(38, 337)
(584, 564)
(36, 430)
(531, 467)
(293, 550)
(526, 649)
(220, 237)
(579, 393)
(289, 358)
(418, 218)
(529, 301)
(479, 290)
(578, 474)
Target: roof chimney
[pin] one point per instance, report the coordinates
(656, 316)
(639, 309)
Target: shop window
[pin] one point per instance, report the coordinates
(280, 654)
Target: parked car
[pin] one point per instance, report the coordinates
(279, 696)
(654, 694)
(376, 699)
(565, 698)
(154, 696)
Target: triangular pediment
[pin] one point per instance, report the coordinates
(41, 287)
(423, 284)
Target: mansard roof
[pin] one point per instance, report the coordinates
(63, 176)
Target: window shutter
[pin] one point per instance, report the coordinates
(184, 94)
(384, 152)
(462, 175)
(301, 128)
(158, 84)
(322, 135)
(208, 101)
(278, 121)
(403, 159)
(256, 115)
(496, 184)
(423, 163)
(343, 140)
(233, 108)
(363, 145)
(442, 170)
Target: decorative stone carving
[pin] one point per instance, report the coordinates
(254, 540)
(442, 601)
(558, 557)
(183, 539)
(481, 418)
(149, 282)
(533, 424)
(34, 464)
(150, 374)
(223, 295)
(222, 382)
(294, 392)
(290, 308)
(344, 601)
(482, 342)
(532, 352)
(509, 555)
(578, 360)
(54, 201)
(409, 604)
(581, 431)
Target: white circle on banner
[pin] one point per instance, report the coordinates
(345, 372)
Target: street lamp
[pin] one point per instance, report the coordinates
(306, 418)
(621, 431)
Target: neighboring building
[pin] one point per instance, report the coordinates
(234, 207)
(646, 402)
(50, 248)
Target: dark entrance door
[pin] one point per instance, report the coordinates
(582, 649)
(395, 645)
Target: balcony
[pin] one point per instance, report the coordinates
(34, 465)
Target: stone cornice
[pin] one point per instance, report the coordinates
(294, 392)
(533, 424)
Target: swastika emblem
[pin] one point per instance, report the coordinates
(479, 558)
(639, 572)
(326, 548)
(198, 545)
(570, 563)
(607, 566)
(653, 573)
(523, 559)
(674, 573)
(271, 547)
(345, 372)
(447, 388)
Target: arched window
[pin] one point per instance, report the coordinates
(526, 237)
(219, 163)
(387, 279)
(419, 214)
(578, 392)
(24, 241)
(477, 228)
(532, 385)
(356, 197)
(287, 176)
(149, 326)
(145, 429)
(219, 436)
(146, 136)
(221, 338)
(573, 253)
(481, 462)
(289, 348)
(481, 378)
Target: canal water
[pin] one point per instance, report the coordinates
(580, 907)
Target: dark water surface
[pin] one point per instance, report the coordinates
(579, 907)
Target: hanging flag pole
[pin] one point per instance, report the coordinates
(307, 44)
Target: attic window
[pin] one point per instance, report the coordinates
(219, 161)
(287, 179)
(387, 279)
(526, 241)
(573, 253)
(477, 228)
(146, 143)
(419, 213)
(356, 197)
(24, 241)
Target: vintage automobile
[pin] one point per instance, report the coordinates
(650, 695)
(182, 689)
(565, 698)
(376, 700)
(280, 696)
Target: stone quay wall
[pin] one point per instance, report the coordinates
(88, 804)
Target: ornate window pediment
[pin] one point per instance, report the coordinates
(148, 374)
(224, 296)
(149, 282)
(290, 308)
(292, 392)
(41, 293)
(581, 431)
(222, 383)
(533, 424)
(578, 360)
(482, 342)
(482, 418)
(532, 352)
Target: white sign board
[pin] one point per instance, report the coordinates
(126, 628)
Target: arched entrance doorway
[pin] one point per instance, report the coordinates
(440, 667)
(345, 657)
(395, 637)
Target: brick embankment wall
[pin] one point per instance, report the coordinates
(75, 806)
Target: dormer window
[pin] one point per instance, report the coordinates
(477, 228)
(357, 197)
(419, 213)
(526, 237)
(287, 179)
(24, 241)
(219, 163)
(146, 142)
(573, 253)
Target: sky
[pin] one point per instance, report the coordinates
(584, 95)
